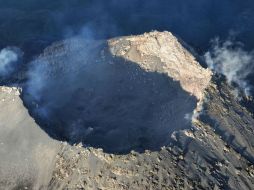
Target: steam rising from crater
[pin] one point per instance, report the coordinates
(84, 92)
(8, 61)
(230, 59)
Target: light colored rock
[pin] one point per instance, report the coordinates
(176, 61)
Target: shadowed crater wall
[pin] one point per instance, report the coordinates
(81, 93)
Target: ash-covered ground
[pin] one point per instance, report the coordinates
(84, 107)
(144, 115)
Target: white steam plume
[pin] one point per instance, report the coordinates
(8, 61)
(232, 61)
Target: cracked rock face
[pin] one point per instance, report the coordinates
(127, 100)
(162, 52)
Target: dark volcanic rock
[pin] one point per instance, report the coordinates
(186, 127)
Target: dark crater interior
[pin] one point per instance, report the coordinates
(105, 101)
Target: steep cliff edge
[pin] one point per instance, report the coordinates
(175, 126)
(27, 153)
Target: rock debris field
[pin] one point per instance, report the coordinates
(134, 112)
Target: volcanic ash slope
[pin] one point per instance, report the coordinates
(194, 136)
(217, 153)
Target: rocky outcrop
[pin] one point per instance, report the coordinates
(162, 52)
(214, 152)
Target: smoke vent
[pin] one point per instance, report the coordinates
(104, 101)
